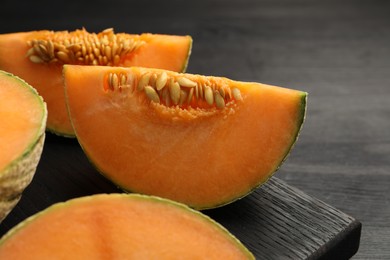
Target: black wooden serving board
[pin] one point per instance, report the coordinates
(276, 221)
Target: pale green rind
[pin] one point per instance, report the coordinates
(59, 133)
(185, 65)
(17, 175)
(154, 199)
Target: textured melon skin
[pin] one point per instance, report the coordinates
(138, 198)
(15, 178)
(17, 175)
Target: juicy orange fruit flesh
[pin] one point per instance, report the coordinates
(200, 159)
(120, 227)
(21, 116)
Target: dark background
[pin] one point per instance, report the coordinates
(338, 51)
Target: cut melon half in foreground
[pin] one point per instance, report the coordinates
(203, 141)
(38, 57)
(23, 119)
(120, 226)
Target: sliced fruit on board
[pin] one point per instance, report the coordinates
(38, 56)
(120, 226)
(22, 132)
(203, 141)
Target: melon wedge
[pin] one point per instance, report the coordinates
(202, 141)
(23, 119)
(38, 56)
(120, 226)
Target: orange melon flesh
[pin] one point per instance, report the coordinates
(22, 116)
(201, 156)
(161, 51)
(120, 227)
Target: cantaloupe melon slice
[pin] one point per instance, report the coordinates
(38, 56)
(203, 141)
(120, 226)
(23, 119)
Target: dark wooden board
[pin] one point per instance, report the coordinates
(276, 221)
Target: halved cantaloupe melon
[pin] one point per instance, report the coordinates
(38, 56)
(23, 118)
(120, 227)
(203, 141)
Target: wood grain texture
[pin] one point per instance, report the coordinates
(278, 221)
(337, 50)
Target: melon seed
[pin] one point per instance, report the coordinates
(50, 49)
(165, 96)
(152, 80)
(143, 81)
(200, 90)
(184, 82)
(197, 91)
(222, 92)
(208, 95)
(183, 97)
(219, 101)
(63, 56)
(114, 81)
(107, 51)
(116, 59)
(35, 59)
(237, 94)
(123, 80)
(190, 95)
(161, 81)
(152, 94)
(174, 91)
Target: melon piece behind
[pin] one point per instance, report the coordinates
(23, 119)
(38, 57)
(120, 226)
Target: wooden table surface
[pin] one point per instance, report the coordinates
(338, 51)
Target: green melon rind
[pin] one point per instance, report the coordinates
(56, 132)
(155, 199)
(17, 175)
(185, 64)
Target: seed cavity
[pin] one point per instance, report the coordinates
(162, 87)
(82, 47)
(116, 81)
